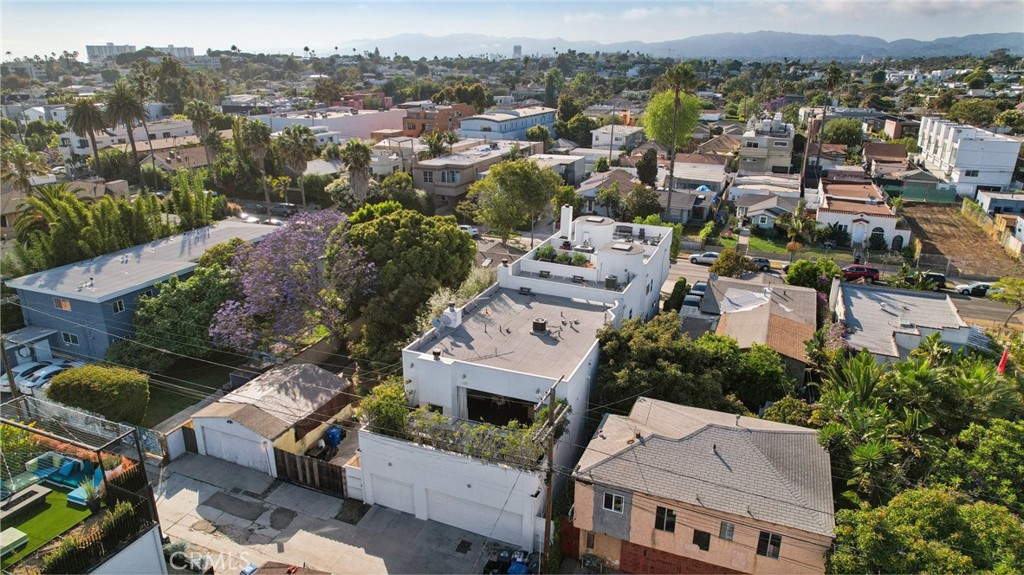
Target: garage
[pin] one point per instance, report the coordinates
(243, 451)
(394, 494)
(475, 517)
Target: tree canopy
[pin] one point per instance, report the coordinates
(843, 131)
(514, 193)
(658, 116)
(115, 393)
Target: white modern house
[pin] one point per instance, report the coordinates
(73, 144)
(511, 124)
(969, 158)
(346, 123)
(492, 360)
(767, 146)
(1001, 202)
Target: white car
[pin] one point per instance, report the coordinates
(34, 385)
(20, 373)
(473, 232)
(706, 258)
(979, 289)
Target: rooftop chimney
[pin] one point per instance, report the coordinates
(437, 353)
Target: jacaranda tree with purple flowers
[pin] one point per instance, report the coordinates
(290, 286)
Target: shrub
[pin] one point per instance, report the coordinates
(546, 252)
(116, 393)
(580, 260)
(730, 264)
(385, 408)
(675, 300)
(707, 231)
(563, 258)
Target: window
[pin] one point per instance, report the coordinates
(750, 145)
(590, 539)
(613, 502)
(65, 142)
(665, 520)
(725, 531)
(167, 135)
(148, 293)
(702, 539)
(83, 143)
(781, 144)
(762, 220)
(118, 306)
(970, 173)
(61, 303)
(69, 338)
(768, 544)
(428, 177)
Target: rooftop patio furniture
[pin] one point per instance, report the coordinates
(22, 501)
(11, 539)
(79, 496)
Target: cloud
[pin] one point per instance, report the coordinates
(583, 17)
(640, 13)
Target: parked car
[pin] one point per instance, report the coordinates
(250, 219)
(706, 258)
(938, 279)
(33, 385)
(473, 232)
(851, 273)
(699, 288)
(978, 289)
(284, 210)
(255, 209)
(760, 264)
(273, 222)
(20, 373)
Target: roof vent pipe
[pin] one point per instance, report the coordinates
(437, 354)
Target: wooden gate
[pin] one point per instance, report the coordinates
(309, 472)
(189, 435)
(569, 538)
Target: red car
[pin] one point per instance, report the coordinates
(851, 273)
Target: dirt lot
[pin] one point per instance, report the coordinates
(949, 238)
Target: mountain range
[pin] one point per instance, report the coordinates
(763, 45)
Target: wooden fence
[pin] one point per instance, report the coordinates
(309, 472)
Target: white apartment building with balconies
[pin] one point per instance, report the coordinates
(969, 158)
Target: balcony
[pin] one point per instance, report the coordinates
(74, 489)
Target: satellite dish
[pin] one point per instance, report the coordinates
(435, 322)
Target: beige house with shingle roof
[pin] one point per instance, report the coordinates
(677, 489)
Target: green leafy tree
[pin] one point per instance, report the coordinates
(1013, 119)
(640, 202)
(474, 94)
(539, 134)
(843, 131)
(18, 165)
(579, 129)
(928, 531)
(986, 463)
(398, 187)
(566, 195)
(790, 410)
(414, 255)
(115, 393)
(729, 264)
(513, 193)
(601, 165)
(1011, 292)
(85, 118)
(671, 116)
(761, 377)
(973, 111)
(553, 83)
(255, 137)
(386, 409)
(647, 168)
(817, 275)
(221, 254)
(192, 204)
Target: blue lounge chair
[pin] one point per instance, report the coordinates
(78, 495)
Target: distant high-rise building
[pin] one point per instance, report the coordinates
(517, 51)
(101, 52)
(183, 52)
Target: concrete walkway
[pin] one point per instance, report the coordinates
(242, 516)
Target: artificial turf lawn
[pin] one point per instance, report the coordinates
(44, 523)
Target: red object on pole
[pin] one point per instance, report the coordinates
(1002, 362)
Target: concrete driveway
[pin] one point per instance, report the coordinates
(241, 516)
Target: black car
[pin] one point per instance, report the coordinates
(255, 209)
(938, 279)
(284, 210)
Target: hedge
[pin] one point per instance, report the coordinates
(115, 393)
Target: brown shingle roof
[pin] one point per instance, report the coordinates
(882, 152)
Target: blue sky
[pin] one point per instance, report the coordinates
(41, 27)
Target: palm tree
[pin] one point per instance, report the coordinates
(86, 118)
(201, 114)
(256, 137)
(451, 138)
(124, 106)
(435, 142)
(679, 78)
(296, 145)
(41, 209)
(356, 156)
(18, 164)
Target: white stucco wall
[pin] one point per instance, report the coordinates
(221, 424)
(492, 500)
(144, 556)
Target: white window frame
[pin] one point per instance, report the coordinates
(762, 219)
(118, 306)
(428, 176)
(614, 498)
(69, 338)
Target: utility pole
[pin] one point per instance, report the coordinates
(15, 393)
(553, 420)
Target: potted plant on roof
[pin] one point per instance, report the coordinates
(546, 253)
(91, 494)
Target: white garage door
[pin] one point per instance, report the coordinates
(475, 517)
(393, 494)
(244, 452)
